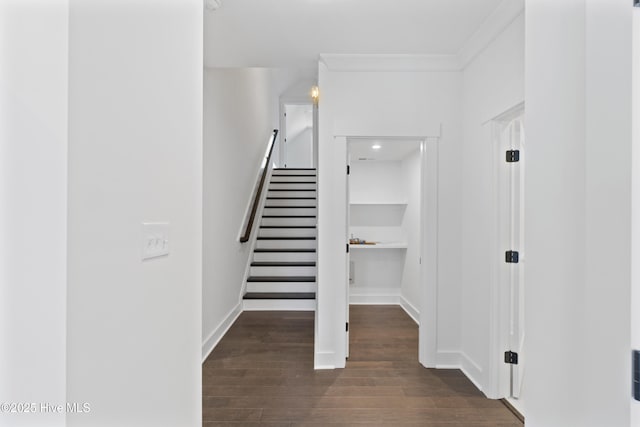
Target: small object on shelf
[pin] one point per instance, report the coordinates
(356, 241)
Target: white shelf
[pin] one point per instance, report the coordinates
(379, 203)
(381, 245)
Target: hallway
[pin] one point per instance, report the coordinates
(262, 373)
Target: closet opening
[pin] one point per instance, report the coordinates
(385, 234)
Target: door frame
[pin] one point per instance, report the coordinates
(283, 127)
(428, 313)
(499, 374)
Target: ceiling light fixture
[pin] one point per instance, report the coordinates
(376, 146)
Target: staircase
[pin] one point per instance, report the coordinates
(282, 274)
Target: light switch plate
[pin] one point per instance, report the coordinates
(155, 239)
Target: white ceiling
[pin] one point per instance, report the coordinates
(390, 150)
(292, 33)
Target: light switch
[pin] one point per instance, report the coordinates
(155, 239)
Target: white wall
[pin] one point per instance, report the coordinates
(238, 111)
(33, 207)
(378, 272)
(135, 155)
(578, 121)
(492, 83)
(299, 138)
(403, 104)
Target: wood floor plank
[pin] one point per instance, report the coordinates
(261, 374)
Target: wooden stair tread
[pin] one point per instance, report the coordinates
(286, 238)
(283, 264)
(294, 169)
(280, 295)
(287, 226)
(285, 250)
(288, 216)
(284, 279)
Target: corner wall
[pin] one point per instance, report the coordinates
(238, 111)
(33, 207)
(578, 119)
(492, 84)
(404, 104)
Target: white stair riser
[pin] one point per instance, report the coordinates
(284, 256)
(285, 179)
(282, 271)
(289, 211)
(291, 186)
(293, 172)
(288, 221)
(280, 287)
(276, 193)
(279, 305)
(287, 232)
(286, 244)
(290, 202)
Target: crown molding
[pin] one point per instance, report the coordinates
(401, 62)
(491, 28)
(495, 24)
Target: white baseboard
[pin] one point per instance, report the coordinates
(471, 370)
(214, 338)
(448, 360)
(324, 360)
(459, 360)
(373, 296)
(410, 310)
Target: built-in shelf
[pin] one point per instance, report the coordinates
(382, 245)
(379, 203)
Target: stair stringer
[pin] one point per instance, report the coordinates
(254, 233)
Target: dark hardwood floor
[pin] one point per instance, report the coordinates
(262, 373)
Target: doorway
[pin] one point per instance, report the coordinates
(509, 155)
(297, 148)
(384, 218)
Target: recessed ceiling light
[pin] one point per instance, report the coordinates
(376, 146)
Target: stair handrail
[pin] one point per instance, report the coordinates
(264, 168)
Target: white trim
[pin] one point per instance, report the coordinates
(410, 309)
(324, 360)
(495, 24)
(471, 370)
(279, 305)
(499, 20)
(447, 360)
(374, 296)
(214, 338)
(428, 340)
(398, 62)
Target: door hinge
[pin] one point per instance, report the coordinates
(511, 357)
(635, 374)
(347, 326)
(511, 257)
(347, 248)
(513, 156)
(348, 169)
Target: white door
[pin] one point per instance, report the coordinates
(346, 233)
(298, 136)
(512, 274)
